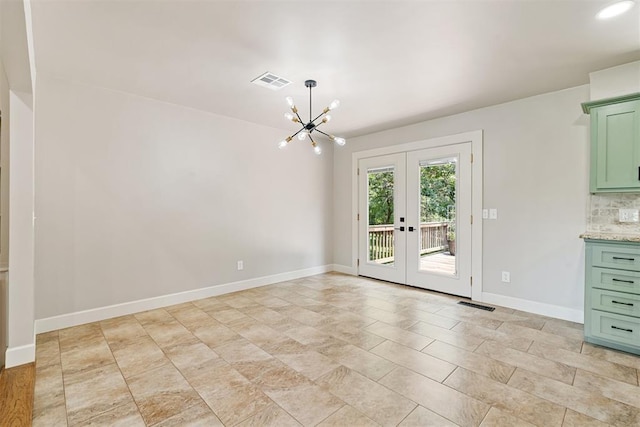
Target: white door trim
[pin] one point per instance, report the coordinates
(476, 140)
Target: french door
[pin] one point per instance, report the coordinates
(414, 222)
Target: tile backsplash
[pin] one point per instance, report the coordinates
(603, 212)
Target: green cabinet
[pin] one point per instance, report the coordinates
(615, 144)
(612, 295)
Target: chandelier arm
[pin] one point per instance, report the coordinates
(324, 133)
(295, 134)
(299, 118)
(312, 140)
(318, 116)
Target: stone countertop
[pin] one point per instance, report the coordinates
(616, 237)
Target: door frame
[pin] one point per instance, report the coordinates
(476, 140)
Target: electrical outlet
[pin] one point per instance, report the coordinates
(485, 213)
(628, 215)
(493, 213)
(240, 265)
(506, 277)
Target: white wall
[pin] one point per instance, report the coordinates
(21, 236)
(137, 198)
(615, 81)
(535, 174)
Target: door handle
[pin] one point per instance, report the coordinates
(399, 228)
(411, 228)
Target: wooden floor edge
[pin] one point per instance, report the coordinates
(16, 395)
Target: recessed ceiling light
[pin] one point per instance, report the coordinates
(615, 9)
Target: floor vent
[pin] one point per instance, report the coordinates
(271, 81)
(481, 307)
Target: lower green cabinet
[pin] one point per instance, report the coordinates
(612, 295)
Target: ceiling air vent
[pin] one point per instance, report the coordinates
(271, 81)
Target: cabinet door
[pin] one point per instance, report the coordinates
(615, 154)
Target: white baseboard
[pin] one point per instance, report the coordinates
(16, 356)
(108, 312)
(345, 269)
(549, 310)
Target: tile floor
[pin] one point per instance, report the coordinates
(332, 350)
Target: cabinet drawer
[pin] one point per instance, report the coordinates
(615, 280)
(616, 302)
(625, 258)
(615, 327)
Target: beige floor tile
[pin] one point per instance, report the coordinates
(310, 363)
(430, 318)
(531, 362)
(53, 416)
(212, 303)
(261, 334)
(157, 316)
(399, 335)
(620, 391)
(352, 335)
(271, 374)
(265, 315)
(583, 401)
(443, 400)
(307, 403)
(302, 315)
(46, 337)
(122, 330)
(585, 362)
(189, 359)
(422, 363)
(421, 417)
(198, 415)
(470, 315)
(506, 340)
(48, 390)
(48, 353)
(382, 405)
(228, 315)
(393, 319)
(272, 415)
(467, 342)
(215, 334)
(242, 351)
(563, 330)
(477, 363)
(509, 399)
(90, 393)
(362, 361)
(576, 419)
(611, 355)
(191, 317)
(126, 415)
(284, 346)
(80, 336)
(139, 356)
(237, 402)
(169, 334)
(161, 393)
(499, 418)
(543, 337)
(308, 335)
(348, 416)
(86, 357)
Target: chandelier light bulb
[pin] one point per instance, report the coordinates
(317, 150)
(290, 101)
(615, 9)
(340, 141)
(282, 144)
(334, 104)
(302, 135)
(326, 119)
(289, 116)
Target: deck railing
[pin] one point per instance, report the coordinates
(433, 238)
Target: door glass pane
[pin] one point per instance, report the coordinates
(438, 215)
(380, 215)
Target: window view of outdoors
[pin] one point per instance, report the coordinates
(381, 216)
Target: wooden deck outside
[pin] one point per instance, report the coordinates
(440, 262)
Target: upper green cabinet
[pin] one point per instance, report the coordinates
(615, 144)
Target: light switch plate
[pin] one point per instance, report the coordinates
(493, 213)
(628, 215)
(485, 213)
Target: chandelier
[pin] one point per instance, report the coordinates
(312, 125)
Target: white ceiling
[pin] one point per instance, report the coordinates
(391, 63)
